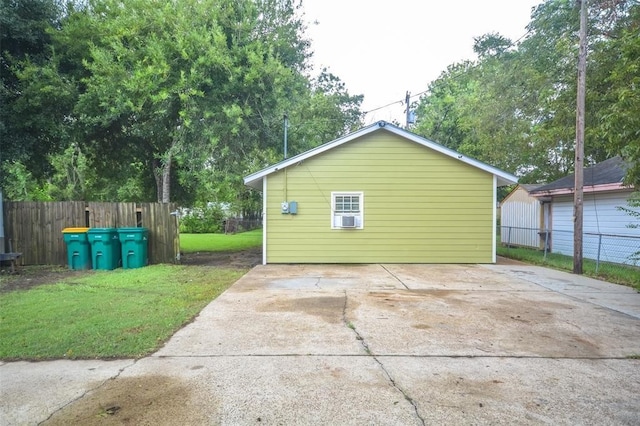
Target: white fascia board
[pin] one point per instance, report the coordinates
(254, 180)
(503, 178)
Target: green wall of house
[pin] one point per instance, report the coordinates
(420, 206)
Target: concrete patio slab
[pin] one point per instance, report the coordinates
(366, 344)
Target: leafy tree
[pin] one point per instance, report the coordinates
(443, 109)
(176, 84)
(515, 106)
(20, 185)
(620, 124)
(325, 112)
(29, 116)
(138, 100)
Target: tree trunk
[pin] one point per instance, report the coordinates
(162, 175)
(157, 175)
(166, 180)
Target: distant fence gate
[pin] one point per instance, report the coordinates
(35, 228)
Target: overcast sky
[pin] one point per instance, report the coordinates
(384, 48)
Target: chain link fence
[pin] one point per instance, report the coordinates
(606, 250)
(233, 225)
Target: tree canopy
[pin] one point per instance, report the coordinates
(172, 100)
(515, 106)
(140, 100)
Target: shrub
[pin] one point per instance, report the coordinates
(202, 220)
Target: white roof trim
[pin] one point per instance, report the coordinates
(503, 178)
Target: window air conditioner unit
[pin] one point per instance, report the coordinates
(348, 222)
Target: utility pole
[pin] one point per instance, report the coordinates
(579, 159)
(407, 99)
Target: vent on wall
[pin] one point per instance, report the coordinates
(348, 222)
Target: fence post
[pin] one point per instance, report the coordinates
(546, 243)
(598, 258)
(509, 238)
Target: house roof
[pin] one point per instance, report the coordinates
(503, 178)
(526, 186)
(530, 186)
(606, 175)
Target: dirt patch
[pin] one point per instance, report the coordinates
(244, 259)
(31, 276)
(140, 400)
(507, 261)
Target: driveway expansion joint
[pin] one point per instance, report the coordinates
(395, 276)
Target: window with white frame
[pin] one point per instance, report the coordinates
(347, 210)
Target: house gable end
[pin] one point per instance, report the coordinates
(255, 180)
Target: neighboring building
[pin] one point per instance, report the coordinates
(604, 195)
(379, 195)
(522, 222)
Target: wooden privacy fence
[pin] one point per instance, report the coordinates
(35, 228)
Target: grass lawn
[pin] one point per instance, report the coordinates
(125, 313)
(614, 273)
(192, 243)
(106, 314)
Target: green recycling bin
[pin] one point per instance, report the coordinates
(105, 248)
(134, 247)
(78, 248)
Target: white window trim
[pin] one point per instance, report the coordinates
(359, 216)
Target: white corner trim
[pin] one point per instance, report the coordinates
(264, 221)
(494, 205)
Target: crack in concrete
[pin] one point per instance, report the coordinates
(329, 355)
(395, 276)
(375, 358)
(88, 391)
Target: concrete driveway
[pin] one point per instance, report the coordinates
(367, 344)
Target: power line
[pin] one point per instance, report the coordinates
(399, 101)
(402, 100)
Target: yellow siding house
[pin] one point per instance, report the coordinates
(379, 195)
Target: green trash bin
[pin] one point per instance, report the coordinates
(78, 248)
(134, 247)
(105, 248)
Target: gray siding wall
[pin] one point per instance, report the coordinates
(601, 216)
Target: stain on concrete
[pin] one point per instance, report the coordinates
(517, 324)
(136, 401)
(328, 308)
(421, 326)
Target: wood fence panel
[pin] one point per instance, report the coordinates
(102, 215)
(164, 245)
(35, 228)
(127, 215)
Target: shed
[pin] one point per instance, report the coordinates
(607, 235)
(379, 195)
(521, 218)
